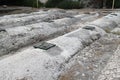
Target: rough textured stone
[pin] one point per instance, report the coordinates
(21, 20)
(24, 35)
(38, 63)
(116, 31)
(114, 16)
(105, 24)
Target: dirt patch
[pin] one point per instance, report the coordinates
(15, 10)
(93, 59)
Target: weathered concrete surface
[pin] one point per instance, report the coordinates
(94, 28)
(44, 65)
(88, 63)
(37, 64)
(105, 24)
(108, 22)
(17, 37)
(116, 31)
(32, 18)
(22, 15)
(114, 16)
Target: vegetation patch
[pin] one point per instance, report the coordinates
(64, 4)
(69, 4)
(116, 5)
(30, 3)
(33, 3)
(53, 3)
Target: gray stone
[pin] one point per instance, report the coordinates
(2, 30)
(116, 31)
(44, 45)
(89, 28)
(105, 24)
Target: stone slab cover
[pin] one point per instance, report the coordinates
(44, 45)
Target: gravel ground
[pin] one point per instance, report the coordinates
(88, 63)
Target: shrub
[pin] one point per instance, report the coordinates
(64, 4)
(117, 4)
(10, 2)
(32, 3)
(52, 3)
(69, 4)
(109, 3)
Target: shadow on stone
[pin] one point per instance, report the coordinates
(54, 51)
